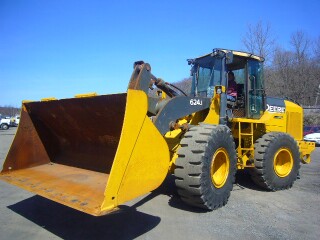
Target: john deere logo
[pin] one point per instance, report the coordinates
(276, 109)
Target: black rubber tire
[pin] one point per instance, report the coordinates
(4, 126)
(264, 174)
(193, 166)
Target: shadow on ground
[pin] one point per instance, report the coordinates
(66, 223)
(127, 223)
(243, 181)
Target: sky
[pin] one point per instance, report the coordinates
(63, 48)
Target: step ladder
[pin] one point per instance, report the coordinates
(243, 151)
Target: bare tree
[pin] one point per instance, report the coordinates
(185, 85)
(304, 70)
(279, 74)
(316, 65)
(294, 73)
(259, 39)
(301, 44)
(317, 50)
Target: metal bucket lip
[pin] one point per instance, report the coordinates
(74, 187)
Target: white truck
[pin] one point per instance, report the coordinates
(5, 124)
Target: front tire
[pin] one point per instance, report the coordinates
(4, 126)
(206, 166)
(277, 161)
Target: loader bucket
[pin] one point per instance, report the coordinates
(91, 153)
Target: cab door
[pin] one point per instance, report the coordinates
(256, 93)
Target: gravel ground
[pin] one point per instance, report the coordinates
(251, 213)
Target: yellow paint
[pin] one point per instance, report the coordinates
(283, 162)
(220, 165)
(142, 159)
(223, 89)
(48, 99)
(27, 101)
(163, 95)
(23, 108)
(244, 162)
(243, 150)
(294, 119)
(306, 148)
(84, 95)
(289, 122)
(173, 139)
(214, 111)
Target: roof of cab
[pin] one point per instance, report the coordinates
(237, 53)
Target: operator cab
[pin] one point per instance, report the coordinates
(210, 77)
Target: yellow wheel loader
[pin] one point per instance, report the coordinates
(93, 153)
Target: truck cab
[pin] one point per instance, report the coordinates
(210, 77)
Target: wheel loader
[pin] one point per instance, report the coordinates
(96, 152)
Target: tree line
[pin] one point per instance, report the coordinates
(9, 111)
(293, 71)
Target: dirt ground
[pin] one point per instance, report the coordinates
(251, 213)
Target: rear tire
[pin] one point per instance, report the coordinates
(277, 161)
(206, 166)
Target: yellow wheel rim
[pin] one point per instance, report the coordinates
(283, 162)
(220, 168)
